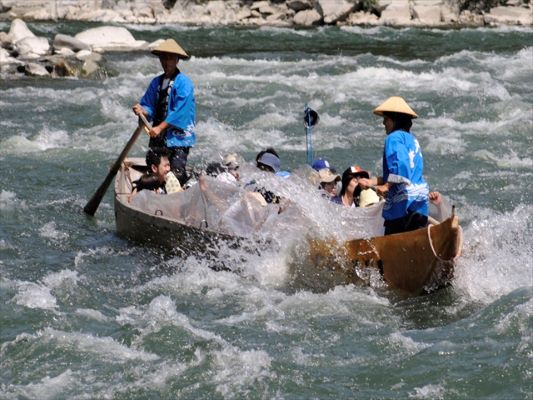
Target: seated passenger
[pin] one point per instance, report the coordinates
(321, 163)
(268, 160)
(227, 172)
(328, 182)
(158, 168)
(232, 174)
(350, 190)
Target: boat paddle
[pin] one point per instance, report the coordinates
(92, 205)
(310, 119)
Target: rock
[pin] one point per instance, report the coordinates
(334, 11)
(65, 52)
(66, 41)
(244, 13)
(427, 15)
(19, 30)
(89, 68)
(449, 15)
(467, 17)
(222, 12)
(64, 68)
(35, 69)
(299, 5)
(5, 58)
(398, 12)
(32, 47)
(5, 39)
(265, 8)
(107, 38)
(509, 16)
(362, 18)
(83, 54)
(307, 18)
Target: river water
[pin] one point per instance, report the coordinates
(85, 314)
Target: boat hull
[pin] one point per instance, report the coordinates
(412, 263)
(156, 230)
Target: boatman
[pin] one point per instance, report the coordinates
(169, 104)
(406, 192)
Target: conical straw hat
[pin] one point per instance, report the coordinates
(395, 104)
(170, 46)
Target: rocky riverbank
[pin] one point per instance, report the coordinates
(440, 13)
(23, 53)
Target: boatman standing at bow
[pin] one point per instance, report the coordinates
(169, 104)
(406, 192)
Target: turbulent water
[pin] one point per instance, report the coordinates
(85, 314)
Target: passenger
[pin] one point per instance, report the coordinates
(155, 179)
(232, 174)
(169, 103)
(268, 160)
(328, 182)
(214, 169)
(406, 202)
(321, 163)
(350, 190)
(228, 171)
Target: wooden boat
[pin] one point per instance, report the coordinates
(155, 229)
(412, 263)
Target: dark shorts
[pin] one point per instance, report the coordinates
(408, 223)
(178, 162)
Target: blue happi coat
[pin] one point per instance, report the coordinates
(403, 167)
(181, 110)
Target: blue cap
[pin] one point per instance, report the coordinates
(320, 163)
(270, 160)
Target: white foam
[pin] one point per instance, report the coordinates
(10, 202)
(431, 391)
(497, 255)
(92, 314)
(518, 320)
(240, 369)
(50, 231)
(64, 277)
(45, 139)
(47, 388)
(406, 344)
(99, 252)
(105, 348)
(32, 295)
(159, 313)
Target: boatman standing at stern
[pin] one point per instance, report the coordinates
(406, 202)
(169, 104)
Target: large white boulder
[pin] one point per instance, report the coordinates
(32, 47)
(397, 12)
(307, 17)
(427, 15)
(299, 5)
(34, 69)
(334, 11)
(67, 41)
(362, 18)
(510, 16)
(19, 30)
(107, 38)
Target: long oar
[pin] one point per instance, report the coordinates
(92, 205)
